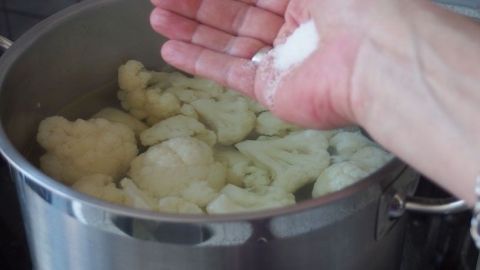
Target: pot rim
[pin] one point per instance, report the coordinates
(21, 164)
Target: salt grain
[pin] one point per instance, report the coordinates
(298, 46)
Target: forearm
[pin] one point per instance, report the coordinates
(423, 104)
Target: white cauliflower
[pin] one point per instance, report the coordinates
(133, 76)
(224, 205)
(199, 193)
(178, 205)
(180, 172)
(168, 168)
(136, 198)
(232, 95)
(141, 95)
(293, 161)
(234, 199)
(270, 125)
(116, 116)
(81, 148)
(370, 158)
(100, 186)
(255, 107)
(187, 95)
(267, 138)
(210, 88)
(155, 96)
(346, 143)
(337, 177)
(188, 89)
(163, 80)
(240, 170)
(177, 126)
(189, 111)
(232, 121)
(160, 105)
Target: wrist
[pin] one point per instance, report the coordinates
(387, 60)
(419, 99)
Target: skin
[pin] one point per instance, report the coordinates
(407, 72)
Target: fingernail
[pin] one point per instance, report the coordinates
(172, 50)
(159, 17)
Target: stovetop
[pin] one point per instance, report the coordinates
(432, 242)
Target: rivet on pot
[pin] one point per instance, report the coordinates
(396, 207)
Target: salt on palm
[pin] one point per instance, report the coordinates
(298, 47)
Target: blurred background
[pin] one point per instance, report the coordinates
(17, 16)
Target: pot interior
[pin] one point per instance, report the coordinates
(67, 65)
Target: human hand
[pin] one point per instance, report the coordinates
(383, 64)
(216, 39)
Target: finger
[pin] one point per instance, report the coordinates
(177, 27)
(276, 6)
(233, 72)
(231, 16)
(284, 32)
(298, 13)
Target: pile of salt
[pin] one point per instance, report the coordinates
(298, 46)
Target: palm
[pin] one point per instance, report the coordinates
(216, 39)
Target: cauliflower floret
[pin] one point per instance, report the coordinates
(80, 148)
(232, 121)
(160, 105)
(370, 158)
(207, 136)
(268, 124)
(100, 186)
(136, 198)
(234, 199)
(337, 177)
(141, 95)
(224, 205)
(293, 161)
(232, 95)
(163, 80)
(190, 89)
(168, 168)
(117, 116)
(189, 111)
(187, 95)
(209, 87)
(255, 107)
(133, 76)
(346, 143)
(177, 126)
(178, 205)
(199, 193)
(240, 170)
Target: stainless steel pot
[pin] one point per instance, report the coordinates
(78, 50)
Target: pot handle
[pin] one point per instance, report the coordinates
(5, 43)
(401, 204)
